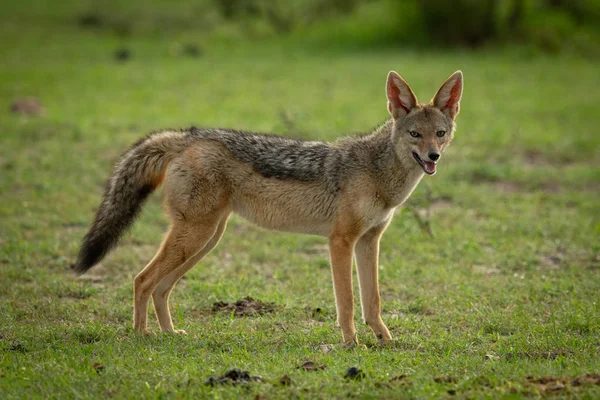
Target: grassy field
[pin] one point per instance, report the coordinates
(503, 300)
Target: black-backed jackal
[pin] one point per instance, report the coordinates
(346, 191)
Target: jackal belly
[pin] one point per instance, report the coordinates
(286, 205)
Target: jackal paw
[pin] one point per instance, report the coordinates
(384, 341)
(179, 332)
(351, 345)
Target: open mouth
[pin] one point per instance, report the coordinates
(428, 166)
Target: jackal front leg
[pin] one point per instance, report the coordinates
(340, 249)
(367, 255)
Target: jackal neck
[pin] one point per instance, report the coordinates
(397, 174)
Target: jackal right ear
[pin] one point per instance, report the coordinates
(401, 98)
(447, 98)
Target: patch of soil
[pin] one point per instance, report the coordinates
(312, 366)
(507, 186)
(246, 306)
(435, 206)
(317, 248)
(17, 347)
(445, 379)
(98, 367)
(553, 384)
(552, 261)
(594, 262)
(535, 157)
(285, 380)
(233, 377)
(94, 276)
(27, 106)
(551, 187)
(401, 380)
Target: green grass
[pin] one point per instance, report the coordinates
(508, 286)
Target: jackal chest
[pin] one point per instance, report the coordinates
(376, 217)
(400, 193)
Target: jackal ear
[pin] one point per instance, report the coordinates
(401, 98)
(447, 98)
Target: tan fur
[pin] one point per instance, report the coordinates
(205, 183)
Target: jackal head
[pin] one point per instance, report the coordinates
(421, 132)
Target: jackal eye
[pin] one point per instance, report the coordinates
(414, 133)
(440, 133)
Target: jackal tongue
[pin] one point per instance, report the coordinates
(429, 167)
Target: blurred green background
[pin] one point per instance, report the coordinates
(489, 274)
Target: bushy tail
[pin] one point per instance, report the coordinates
(139, 171)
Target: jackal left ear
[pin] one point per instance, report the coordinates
(401, 98)
(447, 98)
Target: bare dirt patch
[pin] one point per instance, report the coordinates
(312, 366)
(553, 384)
(536, 158)
(94, 276)
(594, 262)
(445, 379)
(27, 106)
(507, 186)
(246, 306)
(552, 261)
(318, 248)
(233, 377)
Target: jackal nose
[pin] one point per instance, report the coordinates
(434, 156)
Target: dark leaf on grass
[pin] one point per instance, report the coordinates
(318, 312)
(354, 373)
(90, 19)
(122, 55)
(553, 384)
(192, 50)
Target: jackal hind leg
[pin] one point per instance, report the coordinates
(183, 241)
(160, 296)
